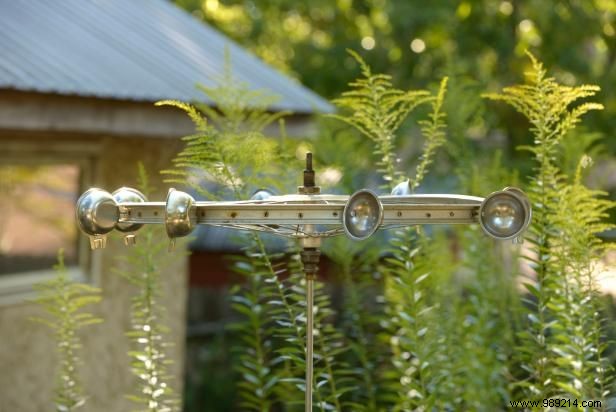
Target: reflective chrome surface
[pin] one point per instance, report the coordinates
(97, 212)
(502, 215)
(128, 195)
(401, 189)
(261, 194)
(505, 214)
(362, 215)
(180, 215)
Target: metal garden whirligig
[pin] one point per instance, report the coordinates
(307, 216)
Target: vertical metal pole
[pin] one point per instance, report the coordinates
(309, 340)
(310, 259)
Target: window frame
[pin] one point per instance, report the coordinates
(18, 287)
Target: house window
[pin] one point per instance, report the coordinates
(39, 186)
(37, 219)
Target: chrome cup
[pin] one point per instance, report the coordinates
(180, 214)
(505, 214)
(362, 215)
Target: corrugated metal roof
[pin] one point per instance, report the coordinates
(143, 50)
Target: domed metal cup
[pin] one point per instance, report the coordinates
(180, 214)
(97, 212)
(505, 214)
(362, 215)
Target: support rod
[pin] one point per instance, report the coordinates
(309, 341)
(310, 259)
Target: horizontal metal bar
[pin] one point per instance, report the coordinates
(229, 213)
(287, 214)
(431, 200)
(429, 214)
(142, 213)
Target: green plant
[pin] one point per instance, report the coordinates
(413, 340)
(64, 301)
(414, 343)
(231, 150)
(141, 266)
(582, 369)
(378, 110)
(560, 348)
(333, 379)
(483, 304)
(229, 147)
(438, 322)
(359, 319)
(256, 360)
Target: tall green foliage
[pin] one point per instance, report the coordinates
(578, 346)
(360, 314)
(142, 266)
(484, 303)
(333, 379)
(378, 110)
(479, 297)
(415, 343)
(443, 330)
(414, 332)
(560, 348)
(440, 315)
(64, 301)
(229, 147)
(231, 150)
(256, 360)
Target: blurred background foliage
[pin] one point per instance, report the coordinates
(479, 45)
(481, 40)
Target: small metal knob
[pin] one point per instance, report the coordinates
(402, 189)
(261, 194)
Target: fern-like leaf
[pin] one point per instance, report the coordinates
(142, 267)
(377, 110)
(64, 302)
(556, 348)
